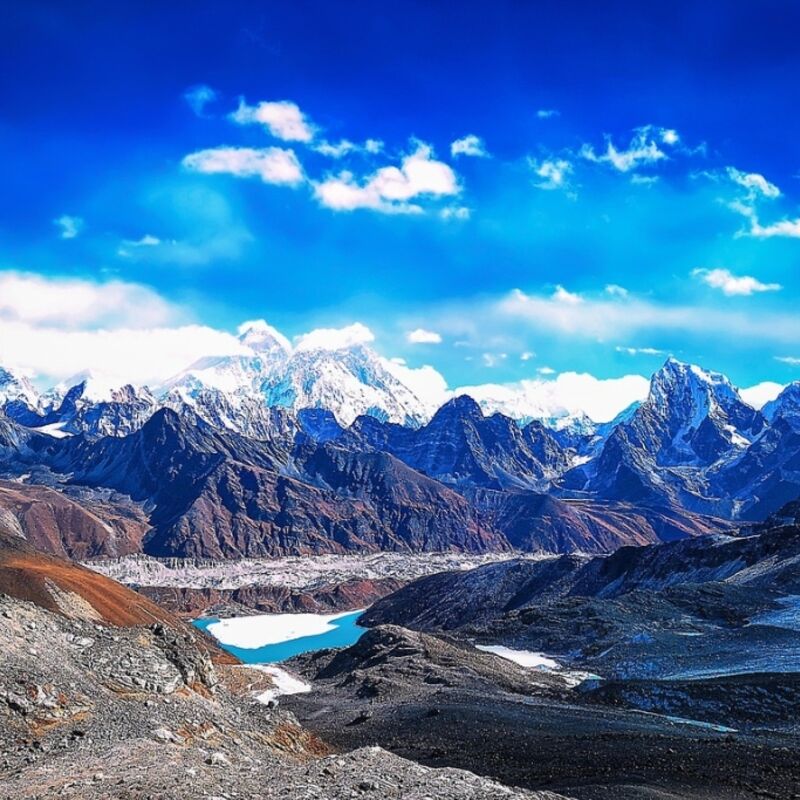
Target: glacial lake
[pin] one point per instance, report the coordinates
(272, 638)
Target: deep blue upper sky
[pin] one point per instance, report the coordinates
(695, 216)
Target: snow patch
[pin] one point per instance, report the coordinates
(525, 658)
(284, 683)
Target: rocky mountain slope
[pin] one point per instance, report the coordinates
(212, 493)
(630, 615)
(103, 694)
(218, 473)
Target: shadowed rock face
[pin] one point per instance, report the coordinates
(765, 562)
(461, 447)
(219, 495)
(79, 528)
(463, 483)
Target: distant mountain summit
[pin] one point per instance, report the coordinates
(347, 380)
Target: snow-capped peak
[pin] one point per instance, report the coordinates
(702, 388)
(95, 387)
(261, 337)
(15, 386)
(786, 405)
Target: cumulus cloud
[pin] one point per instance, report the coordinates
(615, 290)
(547, 113)
(568, 394)
(759, 395)
(391, 189)
(553, 172)
(70, 302)
(470, 145)
(198, 97)
(422, 336)
(730, 284)
(561, 295)
(69, 226)
(527, 355)
(57, 327)
(271, 164)
(792, 361)
(282, 118)
(427, 383)
(334, 338)
(643, 150)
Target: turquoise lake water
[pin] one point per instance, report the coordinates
(344, 633)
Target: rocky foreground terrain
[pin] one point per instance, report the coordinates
(673, 671)
(440, 701)
(103, 694)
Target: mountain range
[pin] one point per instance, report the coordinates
(297, 450)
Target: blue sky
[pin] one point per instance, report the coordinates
(502, 190)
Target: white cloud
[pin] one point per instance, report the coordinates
(546, 371)
(198, 97)
(148, 240)
(57, 327)
(758, 188)
(730, 284)
(282, 118)
(470, 145)
(640, 351)
(70, 226)
(70, 302)
(527, 355)
(603, 318)
(615, 290)
(547, 113)
(345, 147)
(561, 295)
(644, 180)
(554, 172)
(759, 395)
(120, 355)
(642, 150)
(334, 338)
(455, 212)
(425, 382)
(422, 336)
(493, 359)
(792, 361)
(755, 184)
(785, 227)
(391, 189)
(568, 394)
(271, 164)
(338, 150)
